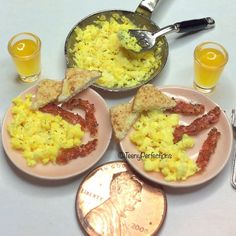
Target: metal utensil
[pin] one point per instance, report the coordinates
(233, 123)
(147, 39)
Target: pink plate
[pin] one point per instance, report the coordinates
(74, 167)
(217, 161)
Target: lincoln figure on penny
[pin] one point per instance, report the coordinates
(108, 219)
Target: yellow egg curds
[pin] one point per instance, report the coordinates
(129, 42)
(98, 47)
(153, 135)
(39, 135)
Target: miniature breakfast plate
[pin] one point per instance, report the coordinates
(76, 166)
(217, 160)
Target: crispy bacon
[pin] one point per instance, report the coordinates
(197, 125)
(90, 119)
(208, 148)
(66, 115)
(65, 155)
(187, 108)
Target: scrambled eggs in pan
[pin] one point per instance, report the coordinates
(38, 135)
(127, 41)
(153, 135)
(98, 47)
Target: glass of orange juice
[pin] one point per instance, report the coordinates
(209, 61)
(25, 51)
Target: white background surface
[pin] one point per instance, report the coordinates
(32, 207)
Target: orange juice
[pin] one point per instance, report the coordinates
(208, 64)
(26, 55)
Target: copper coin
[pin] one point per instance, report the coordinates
(113, 201)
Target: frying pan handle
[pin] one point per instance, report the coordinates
(195, 25)
(146, 7)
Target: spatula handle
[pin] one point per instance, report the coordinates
(194, 25)
(146, 7)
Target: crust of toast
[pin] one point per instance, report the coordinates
(150, 97)
(47, 91)
(77, 80)
(122, 119)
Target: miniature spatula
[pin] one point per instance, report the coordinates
(147, 39)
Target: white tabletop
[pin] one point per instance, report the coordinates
(32, 207)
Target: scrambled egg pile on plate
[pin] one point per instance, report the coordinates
(39, 135)
(153, 135)
(98, 48)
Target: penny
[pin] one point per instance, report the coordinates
(113, 201)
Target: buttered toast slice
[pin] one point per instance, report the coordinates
(122, 119)
(77, 80)
(47, 92)
(150, 97)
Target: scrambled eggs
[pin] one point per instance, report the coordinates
(98, 48)
(153, 135)
(129, 42)
(39, 135)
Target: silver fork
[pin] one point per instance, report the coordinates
(233, 123)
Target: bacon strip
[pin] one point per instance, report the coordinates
(65, 155)
(187, 108)
(66, 115)
(208, 148)
(197, 125)
(90, 119)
